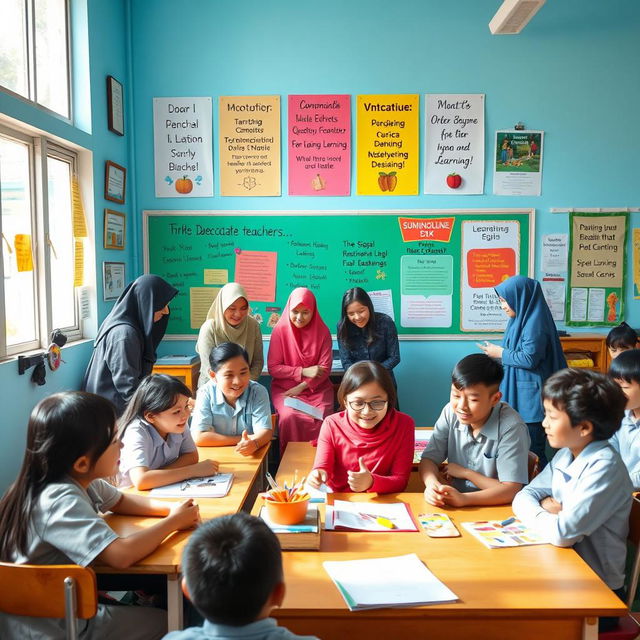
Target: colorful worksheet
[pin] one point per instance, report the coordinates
(497, 534)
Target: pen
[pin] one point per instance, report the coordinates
(504, 523)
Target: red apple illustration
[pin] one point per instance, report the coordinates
(454, 180)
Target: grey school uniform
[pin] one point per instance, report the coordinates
(500, 450)
(626, 441)
(66, 528)
(143, 446)
(595, 492)
(266, 629)
(212, 413)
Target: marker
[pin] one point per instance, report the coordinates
(504, 523)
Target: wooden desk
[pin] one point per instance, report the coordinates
(526, 593)
(187, 373)
(167, 558)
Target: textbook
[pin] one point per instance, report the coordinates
(305, 407)
(497, 534)
(216, 486)
(178, 359)
(407, 583)
(305, 535)
(369, 516)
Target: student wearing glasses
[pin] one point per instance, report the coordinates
(368, 446)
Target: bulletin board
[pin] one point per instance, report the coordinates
(434, 271)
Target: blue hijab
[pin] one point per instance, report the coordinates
(533, 322)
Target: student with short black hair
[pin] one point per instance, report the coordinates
(621, 338)
(233, 576)
(625, 370)
(582, 498)
(485, 442)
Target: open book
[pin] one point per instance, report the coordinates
(369, 516)
(406, 583)
(205, 487)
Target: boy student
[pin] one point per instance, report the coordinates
(484, 440)
(625, 370)
(582, 498)
(233, 576)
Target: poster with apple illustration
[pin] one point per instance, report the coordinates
(182, 129)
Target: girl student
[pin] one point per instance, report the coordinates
(157, 447)
(124, 350)
(228, 320)
(530, 352)
(368, 446)
(365, 334)
(50, 514)
(621, 338)
(299, 362)
(231, 409)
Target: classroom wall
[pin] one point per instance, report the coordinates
(572, 72)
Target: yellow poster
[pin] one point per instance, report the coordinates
(388, 143)
(636, 264)
(79, 221)
(250, 145)
(24, 257)
(78, 263)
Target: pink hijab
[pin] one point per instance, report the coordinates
(302, 347)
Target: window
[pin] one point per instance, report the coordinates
(37, 243)
(34, 52)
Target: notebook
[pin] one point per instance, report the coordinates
(216, 486)
(496, 535)
(305, 407)
(407, 583)
(365, 516)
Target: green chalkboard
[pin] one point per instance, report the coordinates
(435, 269)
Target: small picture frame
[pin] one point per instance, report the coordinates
(114, 229)
(113, 280)
(115, 182)
(115, 106)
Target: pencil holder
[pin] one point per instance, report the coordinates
(287, 512)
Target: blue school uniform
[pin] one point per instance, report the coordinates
(265, 629)
(626, 441)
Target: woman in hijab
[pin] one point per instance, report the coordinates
(228, 320)
(124, 351)
(299, 362)
(530, 352)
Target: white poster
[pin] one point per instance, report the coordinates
(454, 144)
(490, 255)
(182, 129)
(554, 272)
(517, 169)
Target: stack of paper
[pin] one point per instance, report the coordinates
(369, 516)
(407, 583)
(305, 535)
(206, 487)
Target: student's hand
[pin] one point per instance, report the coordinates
(450, 470)
(185, 514)
(297, 390)
(206, 468)
(314, 372)
(434, 493)
(246, 446)
(360, 480)
(316, 478)
(551, 505)
(453, 498)
(492, 350)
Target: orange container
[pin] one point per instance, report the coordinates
(287, 512)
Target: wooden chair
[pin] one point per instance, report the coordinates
(532, 465)
(49, 591)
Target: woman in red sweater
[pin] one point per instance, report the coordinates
(368, 446)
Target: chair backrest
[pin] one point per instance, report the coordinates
(634, 537)
(532, 465)
(39, 590)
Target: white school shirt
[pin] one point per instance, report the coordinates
(143, 446)
(626, 441)
(500, 450)
(595, 492)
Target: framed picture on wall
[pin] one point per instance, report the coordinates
(114, 229)
(113, 281)
(115, 106)
(115, 182)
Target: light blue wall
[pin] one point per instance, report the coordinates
(573, 72)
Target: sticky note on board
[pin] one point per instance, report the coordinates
(24, 257)
(200, 299)
(216, 276)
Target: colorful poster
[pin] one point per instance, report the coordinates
(182, 129)
(319, 145)
(596, 268)
(518, 163)
(387, 147)
(250, 145)
(490, 254)
(454, 144)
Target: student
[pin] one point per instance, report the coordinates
(621, 338)
(157, 447)
(228, 320)
(484, 440)
(368, 446)
(530, 352)
(625, 370)
(50, 514)
(124, 350)
(365, 334)
(233, 576)
(583, 497)
(231, 409)
(299, 362)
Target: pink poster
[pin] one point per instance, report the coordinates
(319, 145)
